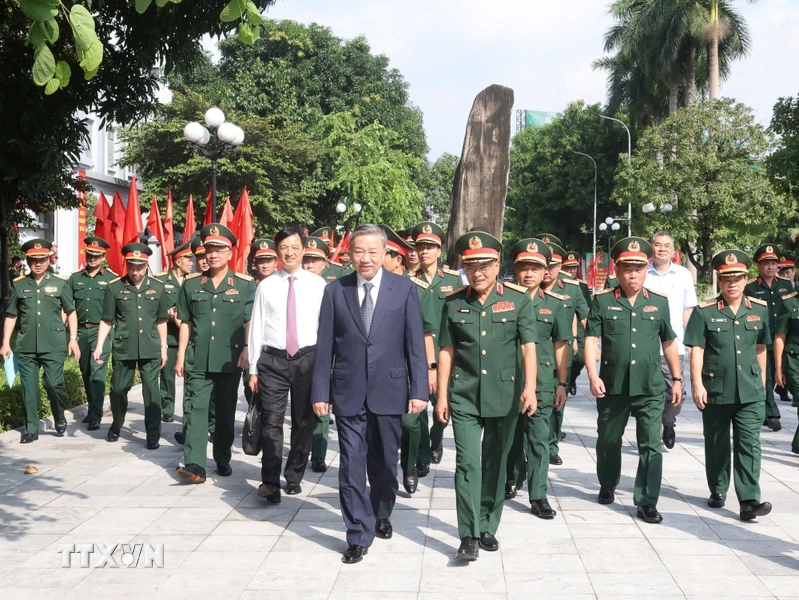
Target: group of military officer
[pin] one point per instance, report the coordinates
(501, 358)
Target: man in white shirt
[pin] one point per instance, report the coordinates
(675, 282)
(282, 351)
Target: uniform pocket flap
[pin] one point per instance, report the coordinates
(508, 375)
(725, 326)
(57, 326)
(398, 373)
(503, 317)
(753, 325)
(756, 369)
(713, 371)
(463, 318)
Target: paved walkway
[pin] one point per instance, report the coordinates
(221, 541)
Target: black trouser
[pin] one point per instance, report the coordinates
(277, 376)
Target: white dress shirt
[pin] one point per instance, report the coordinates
(678, 285)
(375, 281)
(268, 323)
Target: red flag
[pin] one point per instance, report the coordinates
(343, 246)
(102, 214)
(191, 224)
(226, 218)
(133, 225)
(210, 217)
(155, 225)
(244, 231)
(169, 231)
(117, 218)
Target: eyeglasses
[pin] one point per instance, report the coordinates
(483, 268)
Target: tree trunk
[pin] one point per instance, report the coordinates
(481, 179)
(5, 284)
(673, 97)
(713, 50)
(690, 78)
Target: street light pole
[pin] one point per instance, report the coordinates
(629, 162)
(595, 184)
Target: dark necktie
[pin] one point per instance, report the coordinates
(367, 306)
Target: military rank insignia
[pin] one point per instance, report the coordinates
(648, 309)
(503, 307)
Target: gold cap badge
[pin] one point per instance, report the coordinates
(136, 253)
(427, 229)
(769, 249)
(214, 231)
(545, 240)
(312, 243)
(264, 245)
(37, 245)
(634, 246)
(532, 247)
(475, 243)
(731, 259)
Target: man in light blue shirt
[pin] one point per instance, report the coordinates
(676, 283)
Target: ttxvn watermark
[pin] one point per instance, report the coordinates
(113, 556)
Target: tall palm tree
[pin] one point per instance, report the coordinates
(723, 23)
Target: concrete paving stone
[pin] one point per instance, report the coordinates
(643, 585)
(709, 584)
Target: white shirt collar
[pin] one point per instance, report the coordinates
(651, 269)
(298, 274)
(375, 280)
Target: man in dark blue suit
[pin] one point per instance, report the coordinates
(370, 363)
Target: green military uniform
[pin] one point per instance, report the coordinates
(484, 386)
(42, 339)
(262, 248)
(772, 295)
(88, 293)
(611, 282)
(733, 379)
(575, 303)
(443, 282)
(630, 369)
(218, 316)
(172, 290)
(787, 324)
(135, 313)
(531, 437)
(572, 258)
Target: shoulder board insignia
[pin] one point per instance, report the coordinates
(451, 272)
(583, 281)
(751, 280)
(605, 291)
(784, 278)
(707, 303)
(61, 277)
(162, 274)
(156, 279)
(243, 276)
(110, 271)
(20, 278)
(554, 295)
(789, 296)
(571, 281)
(421, 283)
(661, 294)
(78, 271)
(115, 280)
(519, 288)
(193, 275)
(460, 289)
(757, 301)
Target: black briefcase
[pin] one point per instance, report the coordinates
(251, 436)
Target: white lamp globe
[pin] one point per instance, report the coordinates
(603, 227)
(214, 117)
(357, 207)
(226, 133)
(615, 227)
(206, 137)
(239, 137)
(667, 207)
(609, 220)
(648, 208)
(193, 132)
(341, 208)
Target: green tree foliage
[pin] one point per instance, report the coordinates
(437, 184)
(707, 161)
(552, 189)
(783, 163)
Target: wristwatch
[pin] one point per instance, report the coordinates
(165, 346)
(562, 384)
(677, 379)
(432, 366)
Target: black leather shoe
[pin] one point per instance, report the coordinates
(210, 437)
(27, 438)
(113, 435)
(422, 470)
(784, 397)
(555, 459)
(410, 481)
(669, 437)
(563, 435)
(510, 491)
(270, 492)
(61, 426)
(649, 513)
(488, 542)
(383, 529)
(153, 445)
(468, 550)
(224, 469)
(573, 389)
(292, 489)
(794, 450)
(191, 473)
(542, 509)
(93, 426)
(318, 465)
(751, 509)
(717, 500)
(167, 418)
(795, 403)
(180, 437)
(354, 554)
(436, 454)
(774, 424)
(606, 496)
(86, 419)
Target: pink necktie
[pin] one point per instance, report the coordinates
(292, 341)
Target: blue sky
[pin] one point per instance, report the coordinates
(449, 50)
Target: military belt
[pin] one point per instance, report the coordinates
(89, 325)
